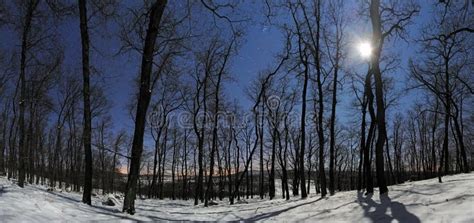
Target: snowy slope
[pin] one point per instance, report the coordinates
(422, 201)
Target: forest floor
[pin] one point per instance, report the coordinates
(421, 201)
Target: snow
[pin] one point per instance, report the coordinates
(422, 201)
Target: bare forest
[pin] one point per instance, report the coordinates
(224, 102)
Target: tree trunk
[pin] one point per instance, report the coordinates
(271, 177)
(173, 165)
(366, 142)
(457, 128)
(163, 162)
(261, 179)
(156, 13)
(86, 136)
(32, 5)
(433, 139)
(332, 136)
(152, 189)
(389, 161)
(185, 175)
(199, 193)
(381, 128)
(320, 130)
(303, 133)
(214, 138)
(3, 140)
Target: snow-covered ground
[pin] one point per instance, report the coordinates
(422, 201)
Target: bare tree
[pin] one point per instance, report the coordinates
(31, 7)
(86, 135)
(442, 72)
(156, 12)
(397, 19)
(337, 18)
(221, 60)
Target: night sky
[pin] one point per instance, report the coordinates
(262, 43)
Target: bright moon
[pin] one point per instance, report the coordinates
(365, 49)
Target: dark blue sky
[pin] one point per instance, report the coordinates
(262, 42)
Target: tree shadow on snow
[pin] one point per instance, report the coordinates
(410, 191)
(275, 213)
(378, 212)
(94, 208)
(2, 190)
